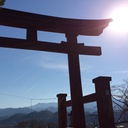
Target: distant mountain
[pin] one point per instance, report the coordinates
(42, 112)
(25, 110)
(11, 111)
(12, 120)
(46, 106)
(46, 116)
(42, 115)
(52, 107)
(90, 107)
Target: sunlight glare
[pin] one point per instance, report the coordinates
(120, 20)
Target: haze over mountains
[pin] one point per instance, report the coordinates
(45, 116)
(25, 110)
(52, 107)
(46, 112)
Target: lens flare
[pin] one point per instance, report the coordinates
(120, 20)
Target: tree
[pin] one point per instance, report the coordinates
(52, 125)
(2, 2)
(35, 124)
(120, 102)
(31, 124)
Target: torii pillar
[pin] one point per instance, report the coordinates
(62, 113)
(75, 82)
(104, 102)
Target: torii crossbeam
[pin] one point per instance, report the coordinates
(71, 28)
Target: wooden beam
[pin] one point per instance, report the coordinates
(46, 46)
(89, 98)
(26, 20)
(86, 99)
(68, 103)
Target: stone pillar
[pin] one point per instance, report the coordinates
(104, 102)
(75, 82)
(62, 113)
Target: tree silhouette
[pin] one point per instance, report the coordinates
(2, 2)
(120, 102)
(35, 124)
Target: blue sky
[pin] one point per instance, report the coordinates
(41, 75)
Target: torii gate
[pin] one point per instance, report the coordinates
(71, 28)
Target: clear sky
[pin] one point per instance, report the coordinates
(41, 75)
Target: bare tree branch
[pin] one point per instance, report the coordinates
(120, 101)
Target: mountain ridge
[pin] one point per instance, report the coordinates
(45, 116)
(52, 107)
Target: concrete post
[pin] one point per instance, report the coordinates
(62, 113)
(104, 102)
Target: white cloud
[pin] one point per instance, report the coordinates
(54, 66)
(86, 67)
(52, 61)
(63, 66)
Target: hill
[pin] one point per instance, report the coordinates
(45, 116)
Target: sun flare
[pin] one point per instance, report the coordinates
(120, 20)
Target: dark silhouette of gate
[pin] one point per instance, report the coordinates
(103, 99)
(71, 28)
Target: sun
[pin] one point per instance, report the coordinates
(120, 20)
